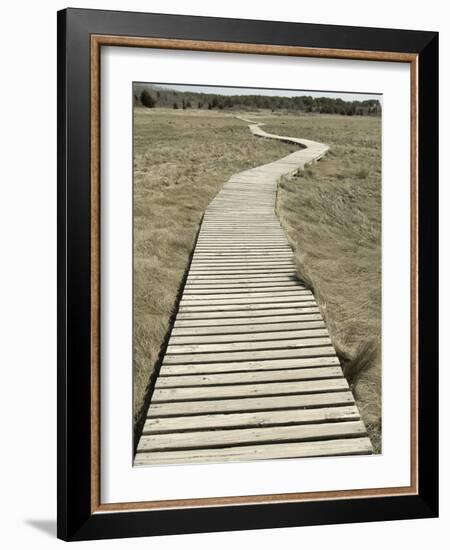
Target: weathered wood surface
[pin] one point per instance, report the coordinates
(250, 372)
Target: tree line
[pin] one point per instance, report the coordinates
(155, 97)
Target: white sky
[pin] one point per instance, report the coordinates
(347, 96)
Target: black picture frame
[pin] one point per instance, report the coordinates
(76, 518)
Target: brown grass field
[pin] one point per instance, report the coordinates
(331, 214)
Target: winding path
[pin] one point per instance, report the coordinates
(250, 371)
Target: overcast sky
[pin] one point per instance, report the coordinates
(348, 96)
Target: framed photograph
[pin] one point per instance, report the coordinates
(247, 252)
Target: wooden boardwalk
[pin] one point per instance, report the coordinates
(250, 371)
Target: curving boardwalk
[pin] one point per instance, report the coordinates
(250, 371)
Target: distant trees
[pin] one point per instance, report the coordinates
(153, 96)
(147, 100)
(228, 102)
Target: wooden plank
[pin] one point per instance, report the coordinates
(218, 291)
(250, 436)
(254, 246)
(248, 329)
(240, 240)
(164, 395)
(242, 235)
(242, 420)
(234, 218)
(221, 347)
(248, 298)
(244, 231)
(250, 313)
(289, 276)
(221, 234)
(263, 223)
(218, 212)
(245, 320)
(242, 262)
(226, 254)
(231, 277)
(243, 293)
(198, 303)
(251, 220)
(243, 256)
(250, 254)
(227, 240)
(245, 336)
(245, 265)
(239, 237)
(250, 404)
(235, 263)
(250, 366)
(239, 287)
(241, 279)
(241, 243)
(241, 247)
(241, 270)
(248, 218)
(287, 375)
(262, 227)
(249, 355)
(243, 259)
(298, 303)
(279, 244)
(246, 286)
(255, 243)
(338, 447)
(237, 218)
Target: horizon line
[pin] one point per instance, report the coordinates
(269, 92)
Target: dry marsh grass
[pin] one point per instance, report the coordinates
(181, 159)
